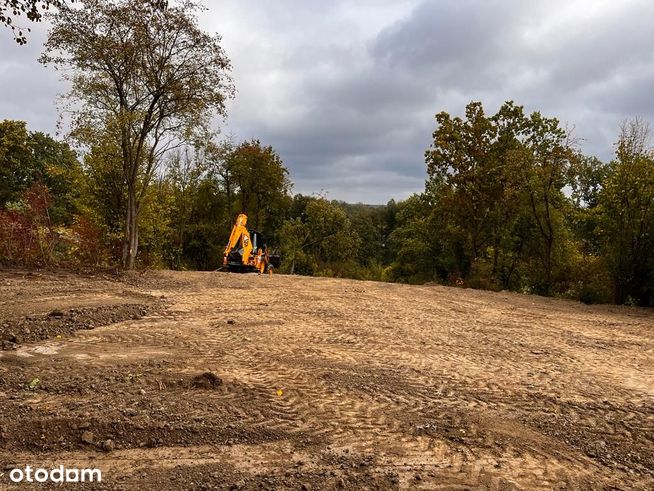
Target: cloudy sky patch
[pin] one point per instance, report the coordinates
(347, 91)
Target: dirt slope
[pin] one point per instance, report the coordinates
(323, 384)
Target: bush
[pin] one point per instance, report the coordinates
(89, 242)
(592, 281)
(481, 276)
(29, 238)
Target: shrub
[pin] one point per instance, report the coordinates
(89, 248)
(27, 236)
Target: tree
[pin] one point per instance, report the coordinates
(462, 157)
(15, 172)
(207, 231)
(55, 164)
(368, 223)
(186, 171)
(30, 157)
(32, 9)
(221, 170)
(498, 183)
(587, 175)
(546, 159)
(144, 74)
(262, 181)
(418, 243)
(321, 237)
(105, 186)
(627, 221)
(157, 230)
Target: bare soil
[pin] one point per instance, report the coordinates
(169, 380)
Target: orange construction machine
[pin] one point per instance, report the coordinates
(246, 251)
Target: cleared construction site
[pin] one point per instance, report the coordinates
(179, 380)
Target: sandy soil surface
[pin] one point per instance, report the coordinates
(173, 380)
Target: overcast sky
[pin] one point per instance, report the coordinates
(347, 91)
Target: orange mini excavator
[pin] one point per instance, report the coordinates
(246, 251)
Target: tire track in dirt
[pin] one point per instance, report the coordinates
(334, 410)
(460, 389)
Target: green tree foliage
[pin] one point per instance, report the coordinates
(105, 190)
(462, 159)
(627, 219)
(587, 176)
(202, 205)
(221, 173)
(417, 244)
(509, 203)
(157, 232)
(548, 156)
(370, 225)
(320, 241)
(43, 219)
(30, 157)
(144, 74)
(209, 185)
(186, 171)
(499, 183)
(56, 165)
(258, 175)
(208, 232)
(15, 170)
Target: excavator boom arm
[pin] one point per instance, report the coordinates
(254, 256)
(239, 234)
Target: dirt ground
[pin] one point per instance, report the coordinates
(169, 380)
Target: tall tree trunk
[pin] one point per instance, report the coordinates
(131, 243)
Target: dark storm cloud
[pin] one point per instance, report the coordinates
(347, 91)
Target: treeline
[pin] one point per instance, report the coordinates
(510, 203)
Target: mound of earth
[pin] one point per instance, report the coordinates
(207, 380)
(33, 328)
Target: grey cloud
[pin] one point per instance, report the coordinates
(440, 33)
(567, 66)
(28, 91)
(632, 98)
(346, 92)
